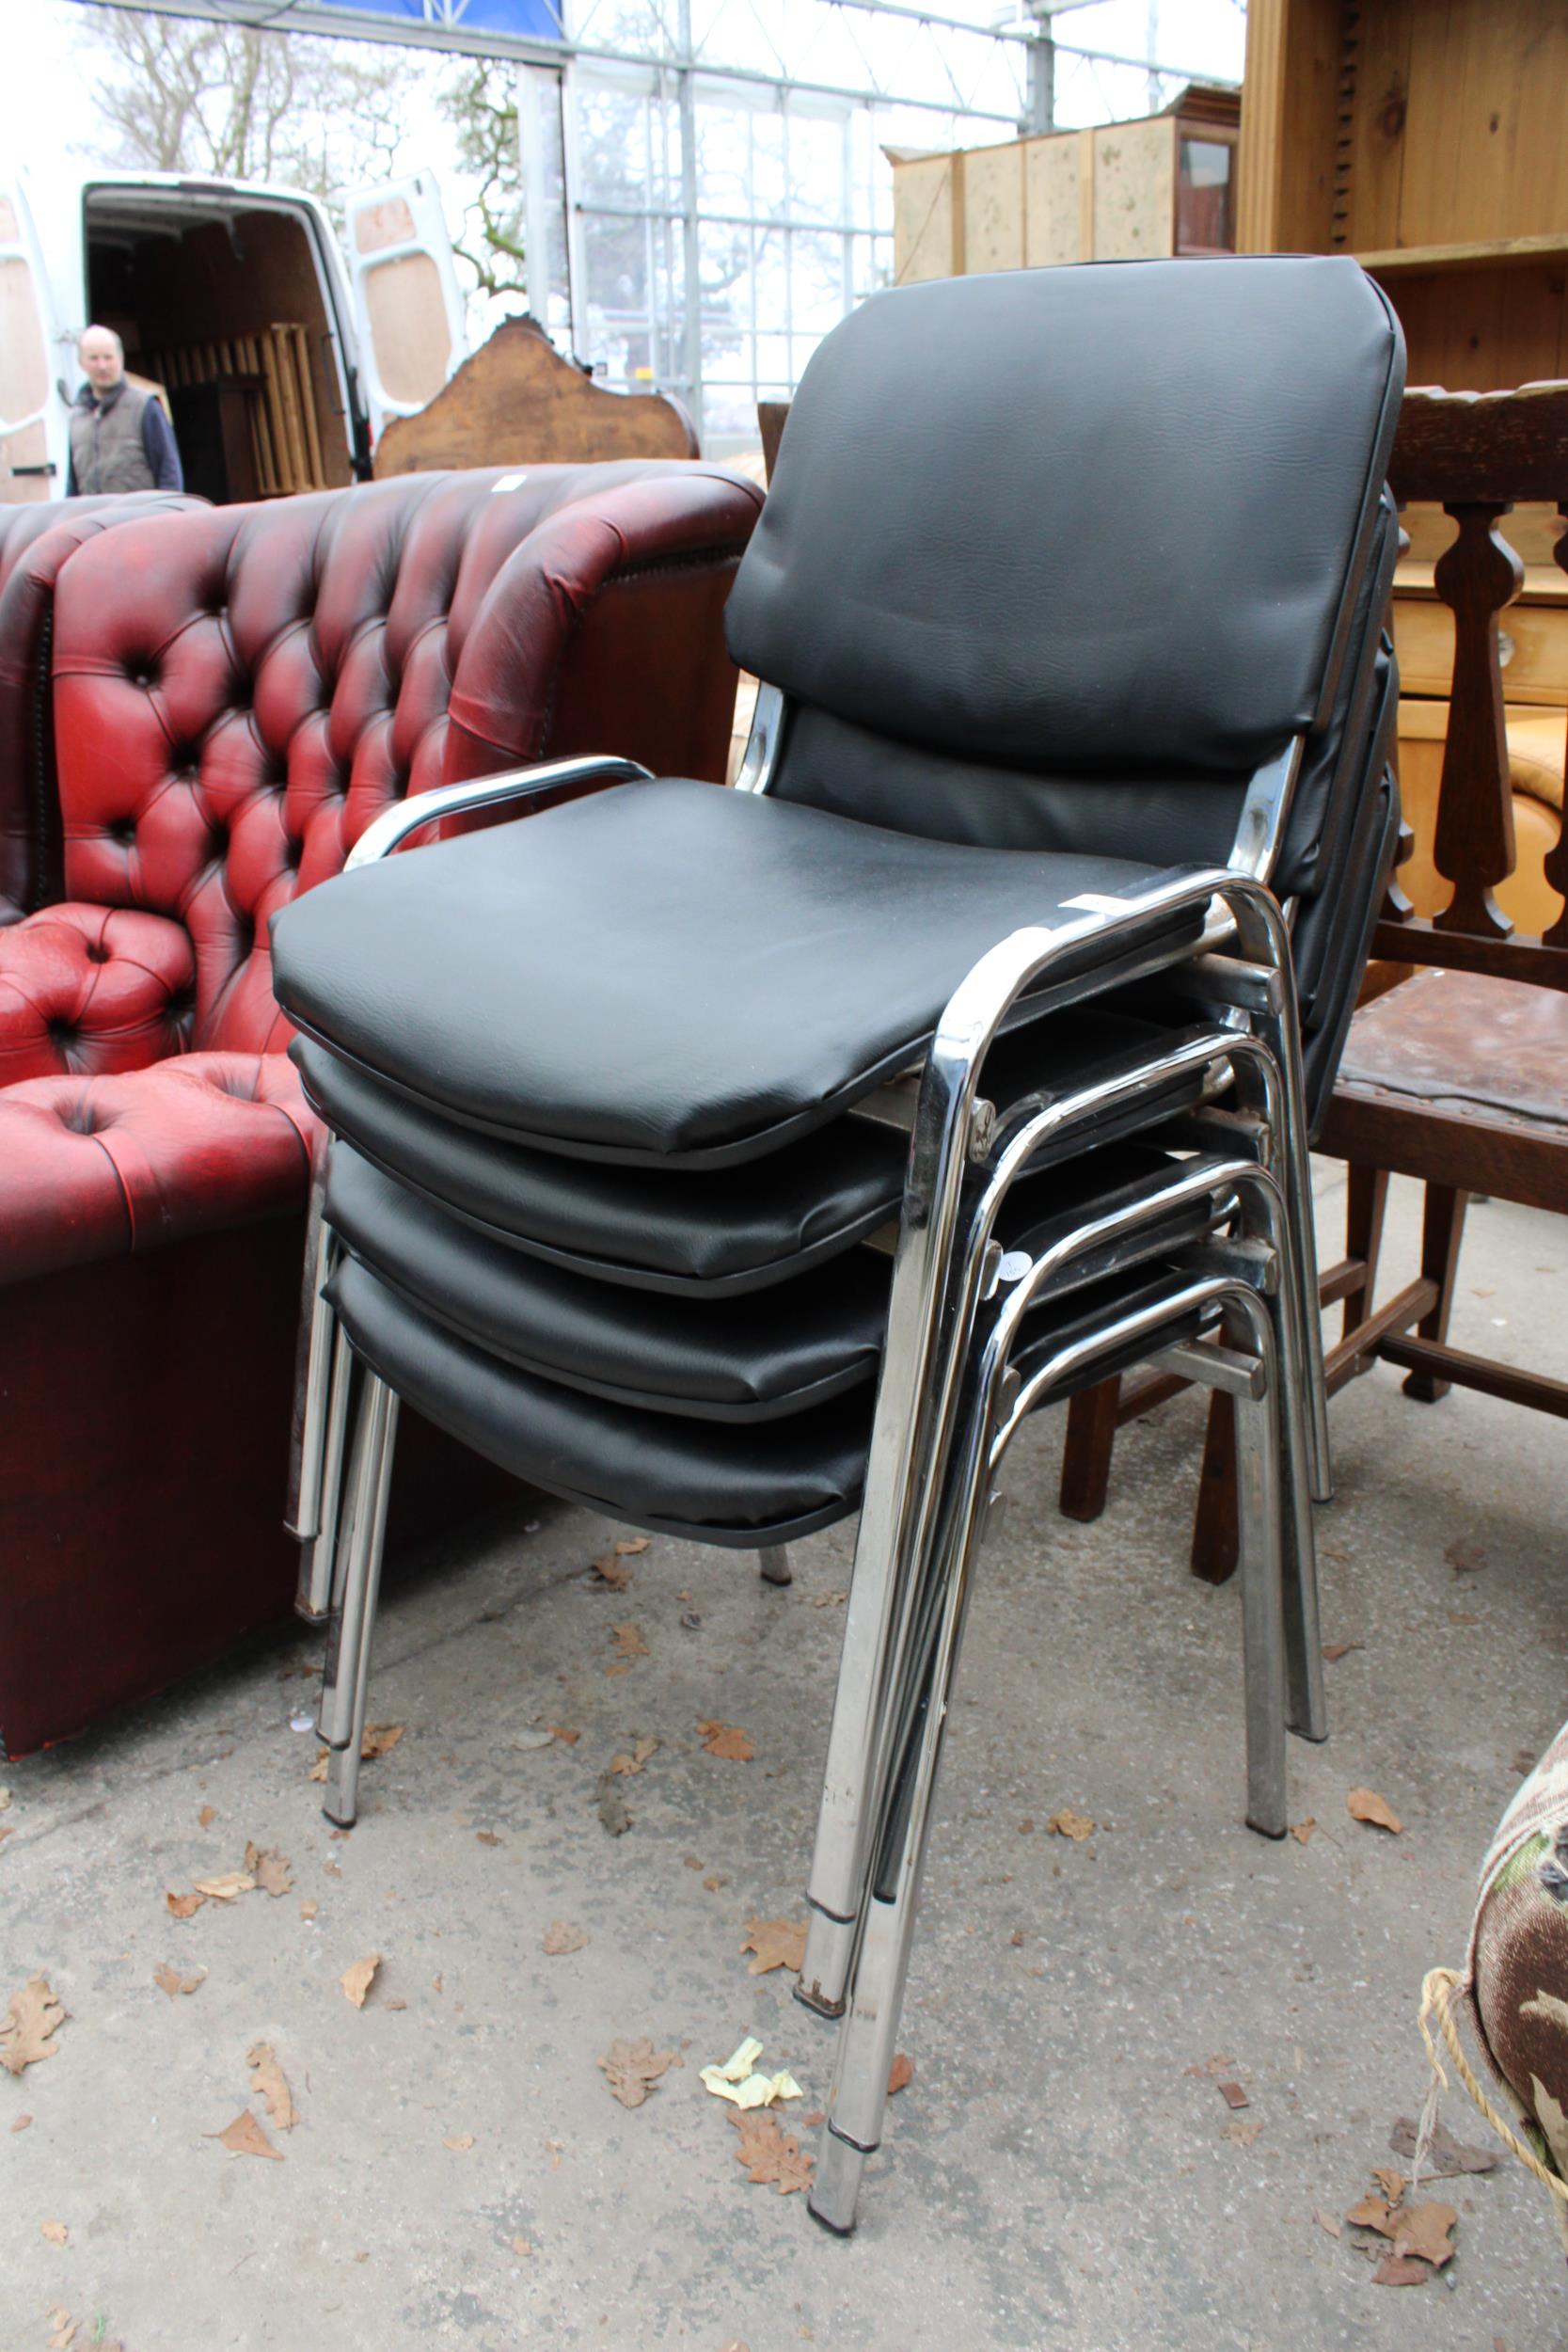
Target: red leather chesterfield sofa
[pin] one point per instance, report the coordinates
(35, 541)
(236, 694)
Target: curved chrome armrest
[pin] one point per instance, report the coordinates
(454, 800)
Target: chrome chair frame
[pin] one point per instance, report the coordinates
(999, 1405)
(937, 1284)
(892, 1554)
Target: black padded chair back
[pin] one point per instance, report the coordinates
(1021, 621)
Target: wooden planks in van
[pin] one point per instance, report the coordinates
(270, 374)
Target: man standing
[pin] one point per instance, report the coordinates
(120, 438)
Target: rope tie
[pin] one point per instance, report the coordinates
(1438, 1988)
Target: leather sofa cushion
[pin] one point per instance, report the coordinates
(85, 990)
(35, 542)
(97, 1166)
(662, 973)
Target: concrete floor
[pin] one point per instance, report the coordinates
(1055, 2175)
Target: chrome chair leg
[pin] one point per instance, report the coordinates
(773, 1560)
(1260, 1501)
(341, 1718)
(313, 1597)
(308, 1420)
(868, 2037)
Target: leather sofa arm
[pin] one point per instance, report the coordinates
(604, 629)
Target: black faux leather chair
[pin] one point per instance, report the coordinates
(1066, 599)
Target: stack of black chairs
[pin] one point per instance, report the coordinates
(732, 1161)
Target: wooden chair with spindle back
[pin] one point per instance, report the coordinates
(1456, 1067)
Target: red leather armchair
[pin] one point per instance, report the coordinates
(35, 541)
(236, 694)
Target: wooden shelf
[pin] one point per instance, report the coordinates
(1484, 253)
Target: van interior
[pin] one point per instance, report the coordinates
(224, 305)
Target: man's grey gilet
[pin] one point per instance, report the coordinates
(107, 450)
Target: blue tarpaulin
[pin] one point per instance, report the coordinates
(527, 20)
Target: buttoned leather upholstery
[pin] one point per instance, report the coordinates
(236, 694)
(35, 541)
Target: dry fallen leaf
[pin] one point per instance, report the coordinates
(21, 2123)
(770, 2153)
(641, 1749)
(713, 1883)
(33, 2017)
(1423, 2230)
(727, 1740)
(173, 1982)
(266, 2082)
(521, 2245)
(632, 2069)
(1365, 1805)
(559, 1731)
(1242, 2134)
(268, 1868)
(629, 1641)
(628, 1547)
(55, 2231)
(307, 1906)
(1302, 1831)
(828, 1600)
(460, 2143)
(1326, 2221)
(1064, 1822)
(1207, 2068)
(900, 2073)
(227, 1889)
(1446, 2156)
(356, 1981)
(1334, 1651)
(245, 2137)
(1372, 2213)
(1394, 2270)
(206, 1816)
(561, 1936)
(183, 1906)
(1389, 2182)
(487, 1837)
(777, 1943)
(377, 1740)
(612, 1572)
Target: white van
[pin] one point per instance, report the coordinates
(279, 356)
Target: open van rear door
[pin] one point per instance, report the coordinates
(28, 471)
(407, 306)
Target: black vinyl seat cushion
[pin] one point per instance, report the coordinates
(754, 1485)
(718, 1232)
(714, 1482)
(657, 1229)
(668, 973)
(758, 1358)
